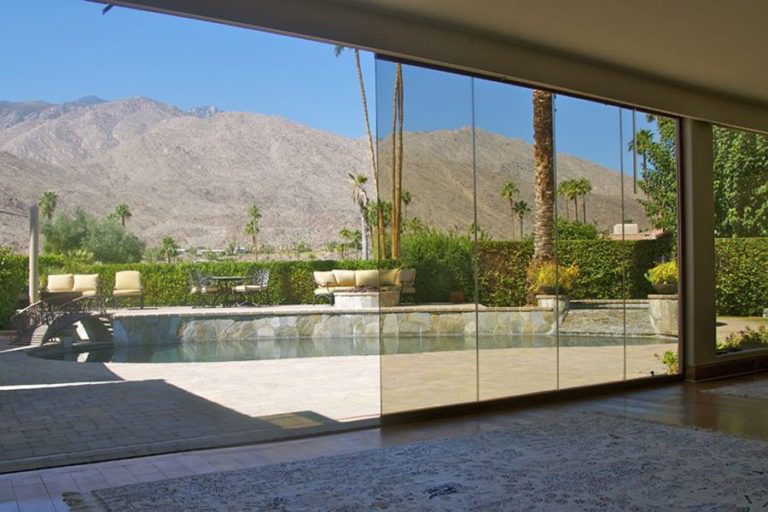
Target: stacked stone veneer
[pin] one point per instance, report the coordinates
(186, 328)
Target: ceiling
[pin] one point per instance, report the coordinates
(714, 45)
(694, 58)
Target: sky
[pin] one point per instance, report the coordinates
(62, 50)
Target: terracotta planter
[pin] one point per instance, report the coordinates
(665, 288)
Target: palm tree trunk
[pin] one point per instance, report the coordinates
(521, 227)
(395, 115)
(575, 208)
(584, 208)
(372, 148)
(544, 179)
(399, 183)
(366, 231)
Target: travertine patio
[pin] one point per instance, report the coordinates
(59, 412)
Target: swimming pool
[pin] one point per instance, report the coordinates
(271, 349)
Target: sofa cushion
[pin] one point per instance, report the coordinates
(344, 277)
(324, 278)
(388, 277)
(60, 282)
(85, 282)
(367, 278)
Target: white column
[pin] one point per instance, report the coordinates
(34, 253)
(697, 245)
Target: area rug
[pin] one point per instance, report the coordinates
(757, 389)
(579, 462)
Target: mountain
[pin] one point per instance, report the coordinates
(194, 174)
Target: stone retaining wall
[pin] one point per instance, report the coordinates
(190, 328)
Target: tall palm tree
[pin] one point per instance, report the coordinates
(360, 197)
(544, 189)
(252, 226)
(397, 160)
(583, 188)
(168, 249)
(521, 208)
(640, 144)
(356, 239)
(508, 191)
(372, 149)
(123, 212)
(47, 203)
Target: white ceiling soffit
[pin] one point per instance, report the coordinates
(696, 58)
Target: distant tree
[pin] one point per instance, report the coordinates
(74, 260)
(583, 188)
(67, 233)
(252, 226)
(47, 203)
(406, 197)
(521, 209)
(356, 238)
(168, 249)
(508, 191)
(346, 236)
(568, 192)
(360, 197)
(109, 242)
(575, 230)
(123, 212)
(382, 222)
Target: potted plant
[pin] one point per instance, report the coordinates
(663, 278)
(549, 278)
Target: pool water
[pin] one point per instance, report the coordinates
(254, 350)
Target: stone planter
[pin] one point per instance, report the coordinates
(663, 309)
(559, 304)
(665, 288)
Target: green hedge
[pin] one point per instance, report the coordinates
(502, 268)
(13, 276)
(443, 263)
(741, 276)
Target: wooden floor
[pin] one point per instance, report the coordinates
(677, 404)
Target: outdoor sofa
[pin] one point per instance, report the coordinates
(86, 284)
(398, 279)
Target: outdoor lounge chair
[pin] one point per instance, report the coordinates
(85, 284)
(128, 284)
(256, 282)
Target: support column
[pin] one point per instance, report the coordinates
(34, 253)
(697, 246)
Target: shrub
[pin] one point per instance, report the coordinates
(741, 276)
(575, 230)
(502, 268)
(663, 273)
(13, 276)
(443, 263)
(551, 275)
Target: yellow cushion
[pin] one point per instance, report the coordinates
(85, 283)
(366, 278)
(388, 277)
(249, 288)
(89, 293)
(60, 282)
(406, 277)
(408, 290)
(344, 277)
(128, 280)
(324, 278)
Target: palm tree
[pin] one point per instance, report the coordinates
(47, 203)
(338, 50)
(356, 239)
(583, 187)
(360, 197)
(168, 249)
(566, 190)
(544, 189)
(521, 208)
(123, 212)
(405, 196)
(397, 160)
(508, 191)
(252, 226)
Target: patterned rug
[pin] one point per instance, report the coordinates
(757, 389)
(580, 462)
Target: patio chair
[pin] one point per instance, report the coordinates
(256, 281)
(128, 284)
(201, 284)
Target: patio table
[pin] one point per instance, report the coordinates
(226, 284)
